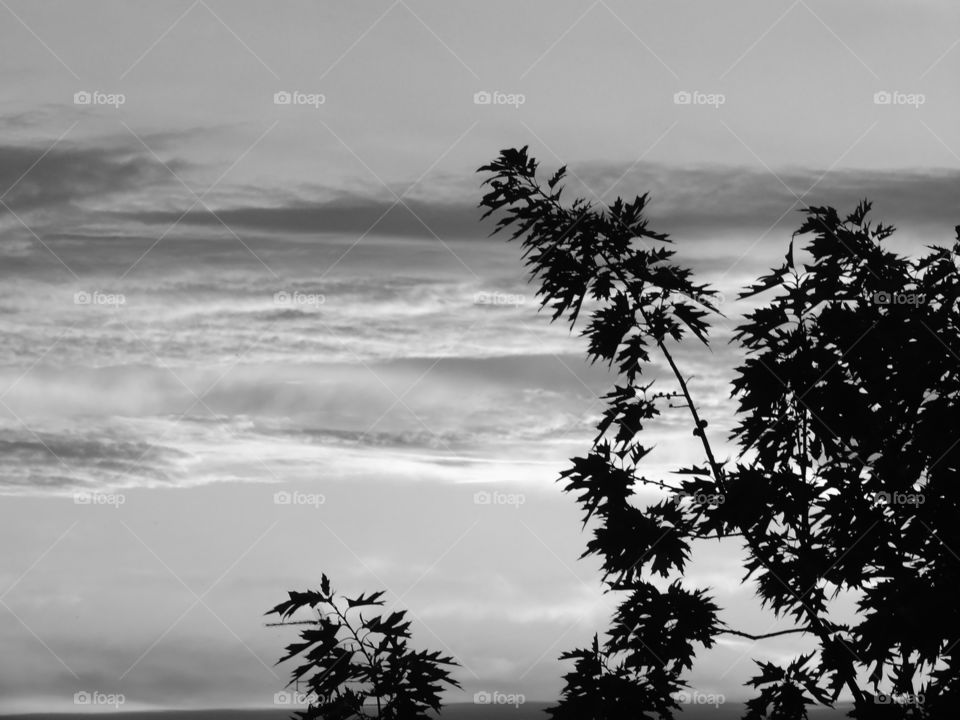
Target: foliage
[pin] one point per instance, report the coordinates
(844, 476)
(354, 664)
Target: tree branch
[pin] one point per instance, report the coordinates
(731, 631)
(699, 431)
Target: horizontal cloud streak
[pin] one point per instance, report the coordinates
(684, 201)
(34, 178)
(688, 200)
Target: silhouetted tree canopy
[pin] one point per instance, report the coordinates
(360, 667)
(845, 467)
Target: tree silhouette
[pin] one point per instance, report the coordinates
(844, 475)
(352, 663)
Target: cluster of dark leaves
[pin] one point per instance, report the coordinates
(850, 403)
(849, 406)
(356, 666)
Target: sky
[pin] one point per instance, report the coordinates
(247, 341)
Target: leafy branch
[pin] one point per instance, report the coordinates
(352, 662)
(805, 502)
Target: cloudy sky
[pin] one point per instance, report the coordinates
(210, 296)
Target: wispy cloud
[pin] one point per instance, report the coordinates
(686, 201)
(40, 178)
